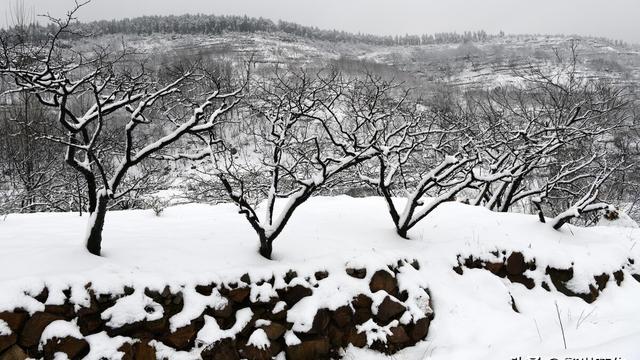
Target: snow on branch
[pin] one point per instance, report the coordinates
(587, 203)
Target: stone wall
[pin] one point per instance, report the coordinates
(514, 267)
(249, 319)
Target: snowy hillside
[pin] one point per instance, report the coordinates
(488, 63)
(478, 314)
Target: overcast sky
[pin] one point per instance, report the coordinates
(617, 19)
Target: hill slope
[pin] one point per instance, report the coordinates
(488, 63)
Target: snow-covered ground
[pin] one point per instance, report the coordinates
(474, 316)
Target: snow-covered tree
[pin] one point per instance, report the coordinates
(292, 139)
(424, 158)
(119, 97)
(588, 203)
(549, 133)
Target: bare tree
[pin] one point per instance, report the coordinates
(28, 168)
(543, 141)
(547, 134)
(291, 140)
(424, 157)
(122, 94)
(588, 203)
(411, 159)
(427, 188)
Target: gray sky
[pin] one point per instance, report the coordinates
(617, 19)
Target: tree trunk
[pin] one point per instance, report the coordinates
(540, 212)
(560, 222)
(510, 194)
(79, 195)
(92, 193)
(266, 247)
(96, 223)
(402, 231)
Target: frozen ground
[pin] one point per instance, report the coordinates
(474, 318)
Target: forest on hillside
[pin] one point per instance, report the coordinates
(208, 24)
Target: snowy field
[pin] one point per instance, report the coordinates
(474, 316)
